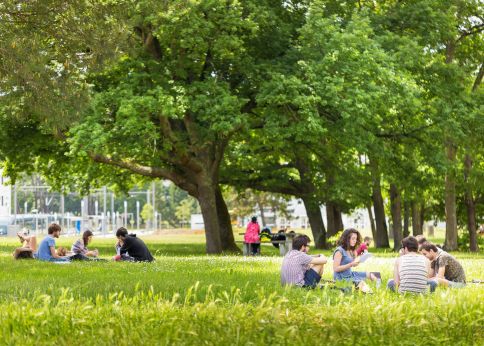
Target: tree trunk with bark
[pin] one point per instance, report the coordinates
(225, 224)
(406, 219)
(313, 211)
(381, 236)
(470, 206)
(416, 226)
(208, 205)
(334, 219)
(372, 220)
(396, 210)
(338, 218)
(450, 201)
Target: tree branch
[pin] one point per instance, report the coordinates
(478, 80)
(147, 171)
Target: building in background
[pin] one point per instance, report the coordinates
(5, 204)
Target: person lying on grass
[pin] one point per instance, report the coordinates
(412, 270)
(138, 252)
(345, 258)
(47, 250)
(444, 268)
(299, 268)
(28, 248)
(79, 248)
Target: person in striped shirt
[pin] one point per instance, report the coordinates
(412, 270)
(80, 249)
(299, 268)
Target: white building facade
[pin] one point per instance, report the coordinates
(5, 196)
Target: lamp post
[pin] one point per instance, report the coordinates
(137, 215)
(126, 214)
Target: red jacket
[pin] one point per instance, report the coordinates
(252, 233)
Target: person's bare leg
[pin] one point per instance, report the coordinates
(371, 276)
(318, 268)
(21, 237)
(32, 242)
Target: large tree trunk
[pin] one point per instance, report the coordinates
(422, 216)
(372, 220)
(470, 206)
(331, 227)
(207, 192)
(416, 226)
(331, 222)
(381, 238)
(225, 224)
(406, 219)
(450, 204)
(338, 218)
(396, 210)
(334, 219)
(313, 211)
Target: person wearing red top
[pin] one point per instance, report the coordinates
(364, 246)
(251, 236)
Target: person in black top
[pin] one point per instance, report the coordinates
(132, 245)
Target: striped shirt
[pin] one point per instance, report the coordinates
(294, 265)
(413, 272)
(79, 248)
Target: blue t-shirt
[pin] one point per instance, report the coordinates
(44, 248)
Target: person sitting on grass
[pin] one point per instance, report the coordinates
(364, 246)
(412, 270)
(345, 258)
(251, 237)
(79, 248)
(422, 240)
(138, 252)
(444, 268)
(28, 248)
(47, 250)
(299, 268)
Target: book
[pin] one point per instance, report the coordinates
(365, 256)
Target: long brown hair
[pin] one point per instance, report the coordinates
(344, 240)
(85, 237)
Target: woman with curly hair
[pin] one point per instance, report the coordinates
(345, 258)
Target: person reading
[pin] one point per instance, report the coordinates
(138, 252)
(444, 268)
(299, 268)
(47, 250)
(345, 258)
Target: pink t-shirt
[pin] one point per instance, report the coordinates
(252, 233)
(363, 247)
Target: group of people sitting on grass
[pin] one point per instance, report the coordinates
(420, 266)
(128, 247)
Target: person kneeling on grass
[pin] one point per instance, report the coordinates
(345, 258)
(412, 270)
(47, 250)
(299, 268)
(444, 268)
(138, 252)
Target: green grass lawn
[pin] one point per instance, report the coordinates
(187, 297)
